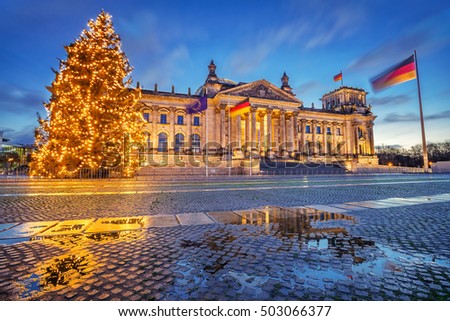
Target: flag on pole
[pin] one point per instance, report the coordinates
(198, 105)
(401, 72)
(338, 77)
(240, 108)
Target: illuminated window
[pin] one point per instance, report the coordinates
(179, 142)
(146, 117)
(328, 130)
(196, 121)
(162, 142)
(180, 120)
(308, 129)
(195, 143)
(338, 131)
(318, 131)
(163, 119)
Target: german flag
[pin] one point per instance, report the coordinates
(401, 72)
(338, 77)
(240, 108)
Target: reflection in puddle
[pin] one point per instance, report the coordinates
(70, 268)
(65, 269)
(318, 243)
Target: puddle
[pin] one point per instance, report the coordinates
(301, 233)
(74, 265)
(64, 270)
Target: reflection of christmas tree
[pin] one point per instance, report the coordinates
(92, 115)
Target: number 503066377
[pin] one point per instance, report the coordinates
(297, 311)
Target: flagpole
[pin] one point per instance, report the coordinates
(206, 134)
(229, 151)
(342, 79)
(422, 124)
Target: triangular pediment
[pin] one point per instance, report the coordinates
(261, 89)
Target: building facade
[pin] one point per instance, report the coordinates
(273, 122)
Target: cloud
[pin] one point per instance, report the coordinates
(330, 25)
(390, 100)
(411, 117)
(251, 55)
(308, 87)
(387, 53)
(18, 100)
(441, 115)
(168, 68)
(312, 28)
(396, 117)
(423, 37)
(157, 46)
(25, 135)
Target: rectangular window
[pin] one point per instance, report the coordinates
(196, 121)
(163, 119)
(338, 131)
(180, 120)
(318, 131)
(146, 117)
(328, 130)
(308, 129)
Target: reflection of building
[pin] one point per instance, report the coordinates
(275, 122)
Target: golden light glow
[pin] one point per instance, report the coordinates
(92, 104)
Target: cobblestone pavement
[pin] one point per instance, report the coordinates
(389, 242)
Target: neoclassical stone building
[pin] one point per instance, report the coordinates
(273, 122)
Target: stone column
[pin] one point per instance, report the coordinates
(262, 132)
(324, 138)
(222, 126)
(302, 135)
(314, 123)
(253, 127)
(333, 139)
(238, 131)
(349, 137)
(189, 128)
(203, 129)
(283, 129)
(355, 135)
(247, 130)
(370, 137)
(269, 128)
(171, 138)
(155, 121)
(295, 130)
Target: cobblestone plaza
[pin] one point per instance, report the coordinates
(381, 237)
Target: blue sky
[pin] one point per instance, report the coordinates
(172, 42)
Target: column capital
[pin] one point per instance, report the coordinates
(269, 111)
(253, 109)
(303, 121)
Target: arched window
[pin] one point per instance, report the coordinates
(179, 142)
(195, 143)
(162, 142)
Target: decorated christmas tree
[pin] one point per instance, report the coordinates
(93, 121)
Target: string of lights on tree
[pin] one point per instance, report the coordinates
(92, 110)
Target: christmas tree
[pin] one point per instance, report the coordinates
(92, 116)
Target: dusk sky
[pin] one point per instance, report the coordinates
(172, 42)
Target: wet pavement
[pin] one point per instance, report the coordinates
(346, 247)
